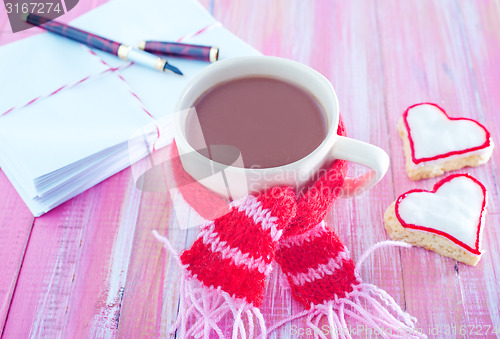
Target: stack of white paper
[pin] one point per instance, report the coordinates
(63, 144)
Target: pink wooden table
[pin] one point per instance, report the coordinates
(91, 268)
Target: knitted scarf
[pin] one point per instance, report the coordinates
(224, 272)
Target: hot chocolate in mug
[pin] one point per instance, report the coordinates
(235, 181)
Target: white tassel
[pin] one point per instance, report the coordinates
(369, 305)
(202, 308)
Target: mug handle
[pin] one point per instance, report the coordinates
(364, 154)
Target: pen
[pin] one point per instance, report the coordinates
(123, 51)
(188, 51)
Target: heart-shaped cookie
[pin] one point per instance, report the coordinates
(435, 143)
(447, 220)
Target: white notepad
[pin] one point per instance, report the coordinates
(62, 145)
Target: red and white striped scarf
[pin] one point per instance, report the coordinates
(225, 270)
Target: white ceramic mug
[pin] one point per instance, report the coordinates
(236, 182)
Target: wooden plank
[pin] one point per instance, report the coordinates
(410, 79)
(423, 64)
(481, 32)
(15, 226)
(72, 275)
(151, 293)
(150, 265)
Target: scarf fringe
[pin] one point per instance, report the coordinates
(374, 310)
(202, 308)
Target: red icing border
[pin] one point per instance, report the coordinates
(428, 229)
(444, 155)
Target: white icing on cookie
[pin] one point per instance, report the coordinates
(455, 209)
(434, 134)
